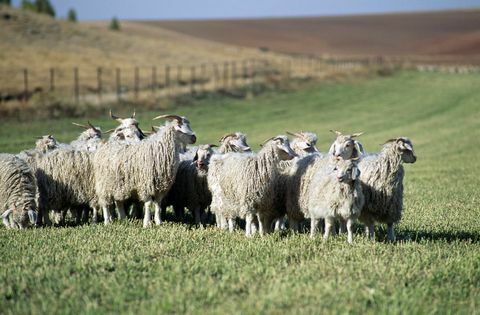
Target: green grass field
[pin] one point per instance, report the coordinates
(175, 268)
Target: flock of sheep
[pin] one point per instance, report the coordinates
(284, 183)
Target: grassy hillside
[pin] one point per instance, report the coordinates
(179, 268)
(39, 42)
(439, 36)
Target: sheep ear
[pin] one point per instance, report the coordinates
(355, 173)
(332, 149)
(359, 148)
(7, 213)
(196, 156)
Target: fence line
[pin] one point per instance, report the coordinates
(104, 84)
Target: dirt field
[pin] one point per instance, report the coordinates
(442, 36)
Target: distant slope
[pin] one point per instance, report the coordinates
(38, 41)
(442, 35)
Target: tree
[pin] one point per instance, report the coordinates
(72, 15)
(44, 6)
(114, 24)
(7, 2)
(27, 5)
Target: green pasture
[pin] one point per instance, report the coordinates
(434, 267)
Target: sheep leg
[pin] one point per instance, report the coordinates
(390, 232)
(350, 230)
(329, 224)
(106, 215)
(370, 231)
(294, 225)
(120, 210)
(261, 228)
(146, 219)
(198, 216)
(158, 211)
(95, 215)
(248, 224)
(313, 227)
(343, 227)
(231, 225)
(224, 224)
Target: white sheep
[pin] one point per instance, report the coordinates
(144, 171)
(382, 182)
(301, 174)
(335, 193)
(18, 191)
(89, 140)
(244, 183)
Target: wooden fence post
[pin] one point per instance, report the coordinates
(167, 79)
(225, 75)
(136, 79)
(99, 84)
(234, 74)
(25, 84)
(118, 83)
(192, 80)
(216, 76)
(154, 80)
(77, 87)
(203, 75)
(52, 79)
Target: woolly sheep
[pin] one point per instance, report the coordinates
(65, 181)
(190, 188)
(335, 193)
(344, 147)
(382, 183)
(144, 171)
(246, 182)
(17, 192)
(89, 140)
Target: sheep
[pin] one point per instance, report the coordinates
(382, 183)
(144, 171)
(303, 143)
(89, 140)
(301, 173)
(127, 123)
(335, 193)
(65, 181)
(190, 187)
(43, 145)
(244, 183)
(18, 191)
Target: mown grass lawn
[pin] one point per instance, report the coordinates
(177, 268)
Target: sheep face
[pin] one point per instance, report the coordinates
(20, 218)
(184, 132)
(304, 142)
(283, 148)
(346, 171)
(237, 141)
(346, 147)
(46, 143)
(92, 133)
(127, 135)
(202, 156)
(405, 147)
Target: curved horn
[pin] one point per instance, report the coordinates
(176, 117)
(390, 140)
(226, 136)
(115, 117)
(133, 115)
(358, 134)
(110, 130)
(212, 145)
(338, 133)
(295, 134)
(80, 125)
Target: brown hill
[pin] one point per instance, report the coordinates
(443, 35)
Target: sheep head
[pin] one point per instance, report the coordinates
(46, 143)
(203, 155)
(91, 132)
(345, 146)
(304, 142)
(236, 141)
(346, 171)
(282, 147)
(404, 146)
(182, 127)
